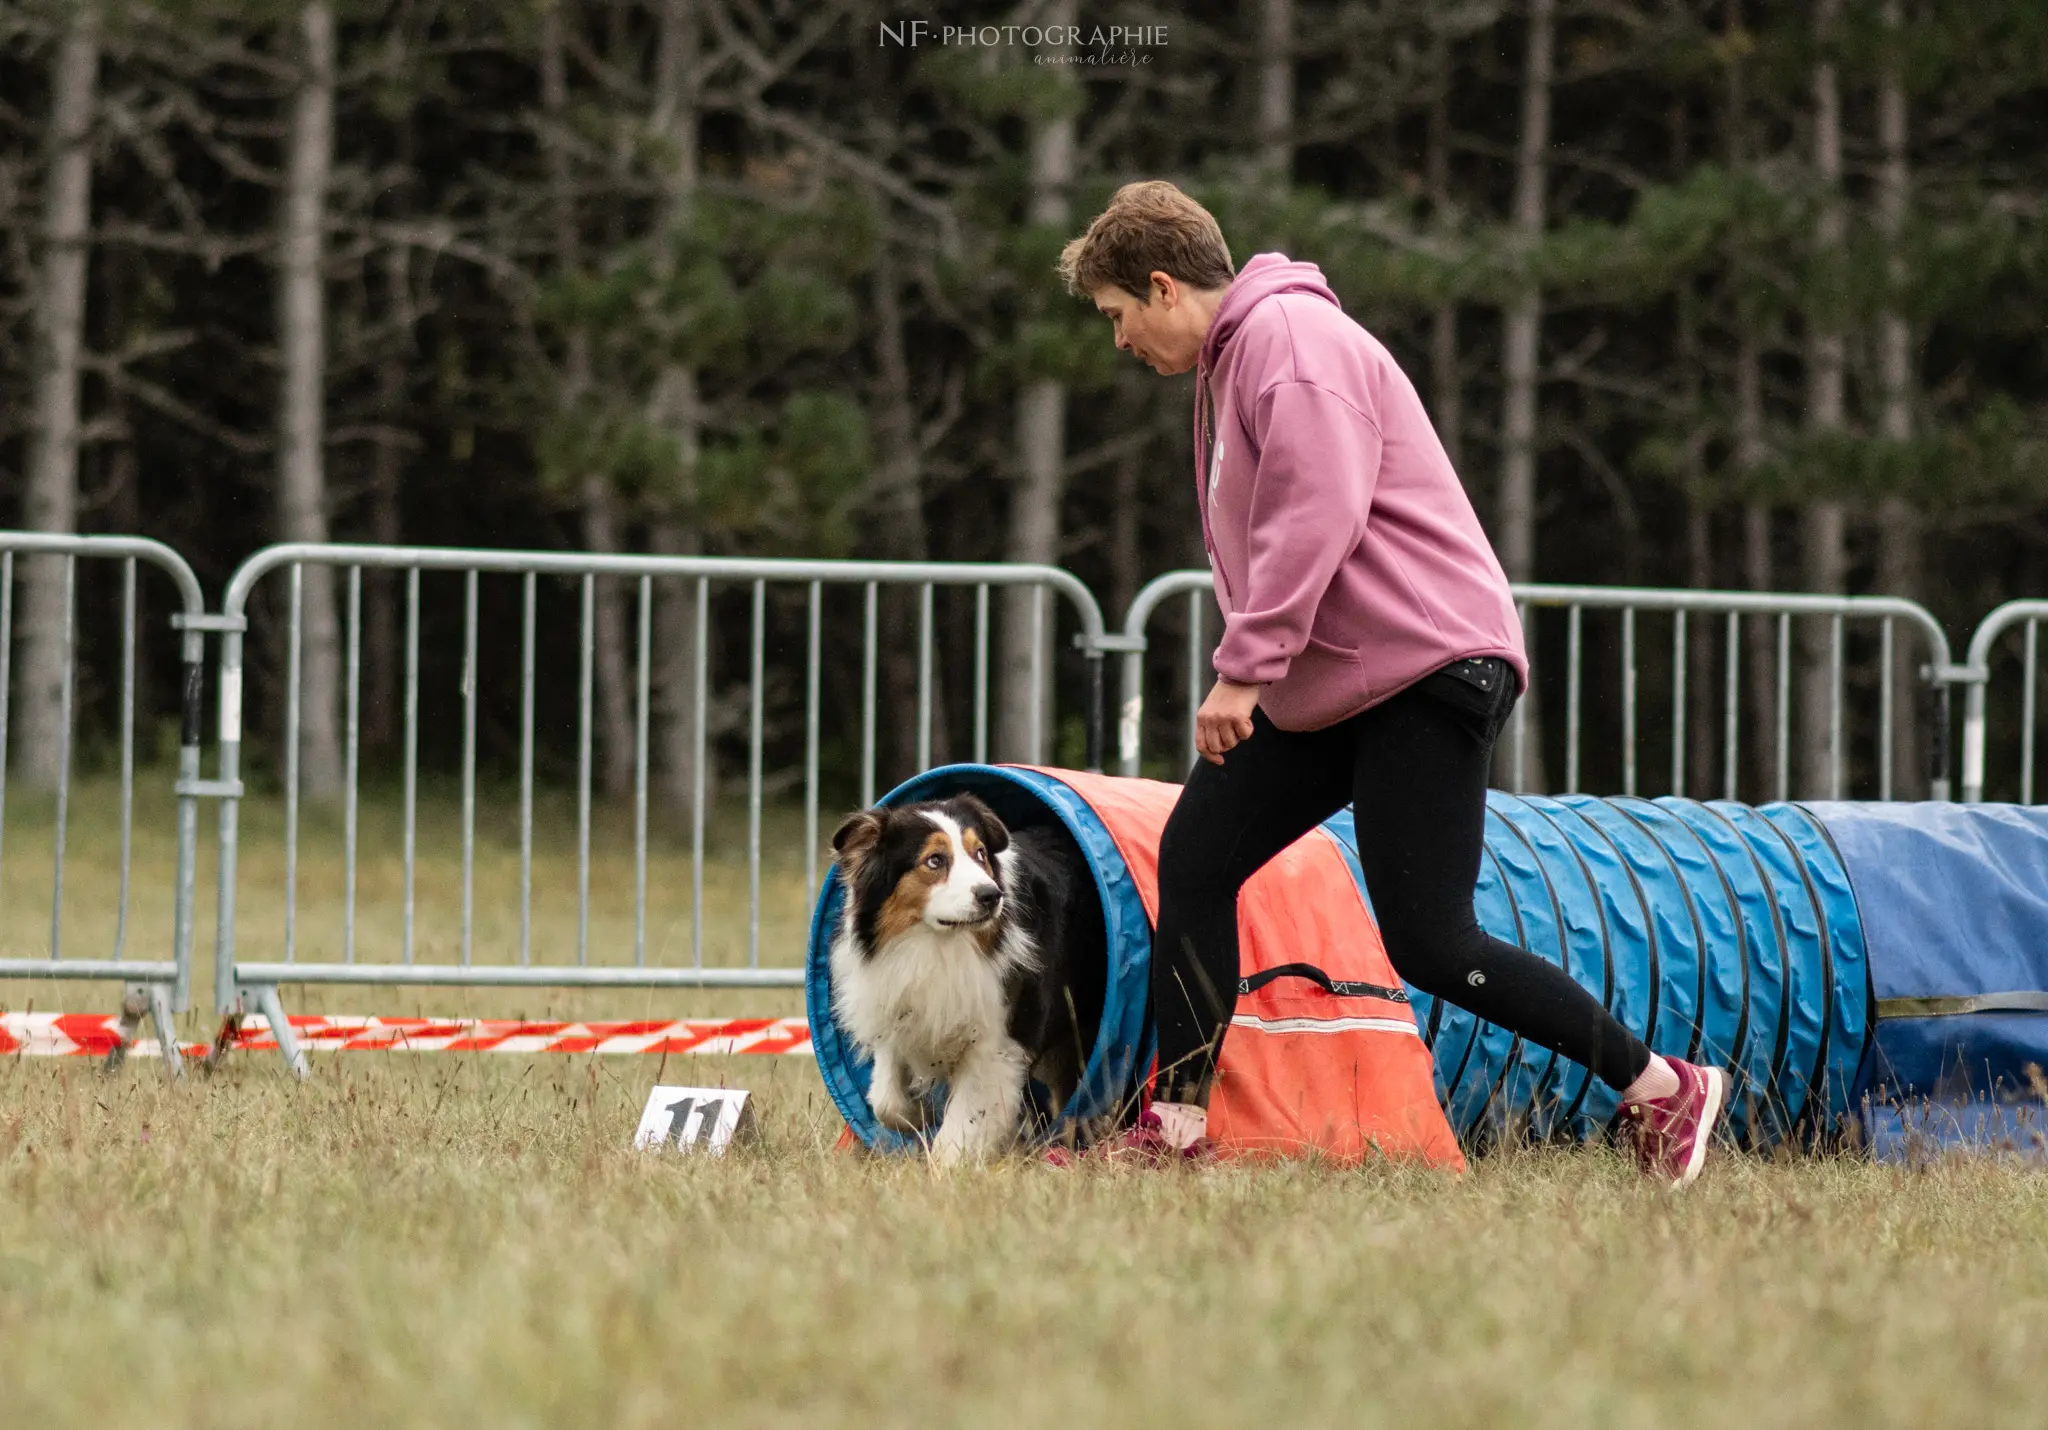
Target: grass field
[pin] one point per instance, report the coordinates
(470, 1239)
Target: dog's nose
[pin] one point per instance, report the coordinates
(987, 897)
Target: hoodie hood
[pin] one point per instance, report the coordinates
(1264, 275)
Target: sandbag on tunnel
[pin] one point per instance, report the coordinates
(1716, 932)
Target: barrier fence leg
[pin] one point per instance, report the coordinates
(272, 1008)
(166, 1029)
(136, 1000)
(264, 997)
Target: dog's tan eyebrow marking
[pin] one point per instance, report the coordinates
(903, 910)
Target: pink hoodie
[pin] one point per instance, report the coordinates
(1347, 559)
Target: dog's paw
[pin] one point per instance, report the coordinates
(897, 1110)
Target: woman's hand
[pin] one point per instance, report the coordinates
(1224, 719)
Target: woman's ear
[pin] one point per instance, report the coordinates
(856, 835)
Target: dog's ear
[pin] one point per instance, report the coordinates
(994, 833)
(858, 834)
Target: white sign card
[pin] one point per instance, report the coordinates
(690, 1119)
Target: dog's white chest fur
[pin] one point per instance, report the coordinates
(929, 1007)
(930, 996)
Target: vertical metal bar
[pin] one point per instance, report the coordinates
(526, 768)
(354, 758)
(703, 674)
(867, 702)
(1835, 707)
(1197, 618)
(587, 648)
(469, 680)
(6, 671)
(924, 677)
(1884, 709)
(191, 735)
(2027, 715)
(412, 743)
(981, 673)
(1784, 694)
(756, 680)
(813, 664)
(1678, 674)
(1574, 644)
(64, 699)
(225, 992)
(1628, 700)
(1731, 706)
(1522, 715)
(643, 699)
(1037, 735)
(294, 641)
(127, 756)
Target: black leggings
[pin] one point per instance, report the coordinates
(1414, 769)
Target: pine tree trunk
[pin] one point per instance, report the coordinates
(1899, 562)
(50, 502)
(678, 408)
(1276, 92)
(1447, 388)
(302, 428)
(387, 528)
(1126, 528)
(1515, 514)
(903, 537)
(1822, 523)
(601, 519)
(1025, 733)
(1757, 737)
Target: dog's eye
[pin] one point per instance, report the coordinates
(935, 861)
(981, 855)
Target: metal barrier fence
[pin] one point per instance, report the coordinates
(1976, 674)
(242, 982)
(157, 986)
(1935, 675)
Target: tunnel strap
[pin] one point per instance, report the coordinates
(1324, 1025)
(1338, 986)
(2022, 1001)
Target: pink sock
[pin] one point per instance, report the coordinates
(1657, 1080)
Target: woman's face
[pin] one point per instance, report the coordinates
(1165, 332)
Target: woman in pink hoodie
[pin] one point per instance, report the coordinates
(1370, 655)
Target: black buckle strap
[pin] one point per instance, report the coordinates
(1343, 988)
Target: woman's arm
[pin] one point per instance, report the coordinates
(1319, 460)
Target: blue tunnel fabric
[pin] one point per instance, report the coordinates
(1715, 932)
(1954, 901)
(1019, 796)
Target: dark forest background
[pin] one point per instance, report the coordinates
(1704, 293)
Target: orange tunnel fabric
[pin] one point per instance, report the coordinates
(1303, 1071)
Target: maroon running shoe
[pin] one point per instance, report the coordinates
(1143, 1144)
(1671, 1133)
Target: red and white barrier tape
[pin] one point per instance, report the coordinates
(92, 1035)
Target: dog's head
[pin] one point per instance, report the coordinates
(935, 865)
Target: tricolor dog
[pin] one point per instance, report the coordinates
(970, 955)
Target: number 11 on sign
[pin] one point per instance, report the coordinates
(690, 1119)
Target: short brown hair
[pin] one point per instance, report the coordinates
(1148, 225)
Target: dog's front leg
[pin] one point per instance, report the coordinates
(985, 1096)
(889, 1094)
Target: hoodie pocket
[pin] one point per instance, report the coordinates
(1323, 684)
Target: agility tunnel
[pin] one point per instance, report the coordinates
(1875, 970)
